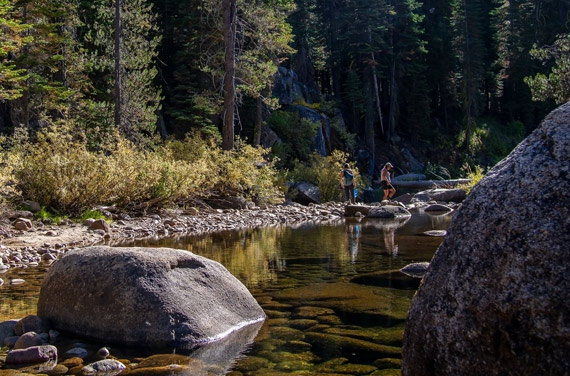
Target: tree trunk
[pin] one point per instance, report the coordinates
(376, 88)
(118, 92)
(258, 121)
(393, 102)
(229, 12)
(369, 123)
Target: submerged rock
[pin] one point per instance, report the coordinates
(107, 367)
(145, 296)
(336, 345)
(391, 278)
(495, 298)
(353, 301)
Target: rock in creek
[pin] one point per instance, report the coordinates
(440, 194)
(7, 329)
(152, 297)
(30, 323)
(107, 367)
(36, 354)
(416, 269)
(495, 300)
(78, 352)
(388, 211)
(29, 339)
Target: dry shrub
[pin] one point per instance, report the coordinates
(245, 172)
(7, 179)
(60, 172)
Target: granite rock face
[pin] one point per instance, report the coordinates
(496, 297)
(151, 297)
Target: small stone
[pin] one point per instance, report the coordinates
(29, 339)
(416, 269)
(48, 257)
(53, 335)
(435, 233)
(30, 323)
(72, 362)
(103, 353)
(100, 224)
(78, 352)
(58, 370)
(88, 222)
(10, 341)
(22, 224)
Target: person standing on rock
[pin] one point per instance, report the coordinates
(348, 183)
(386, 182)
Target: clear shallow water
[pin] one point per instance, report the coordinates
(335, 301)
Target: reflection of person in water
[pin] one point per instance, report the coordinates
(353, 239)
(390, 240)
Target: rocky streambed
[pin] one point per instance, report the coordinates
(26, 242)
(38, 243)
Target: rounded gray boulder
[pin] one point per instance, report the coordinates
(495, 299)
(152, 297)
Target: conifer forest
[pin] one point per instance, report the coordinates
(450, 84)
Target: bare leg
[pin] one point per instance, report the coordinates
(392, 192)
(385, 195)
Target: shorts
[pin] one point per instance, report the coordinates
(385, 185)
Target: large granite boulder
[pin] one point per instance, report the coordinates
(152, 297)
(307, 193)
(440, 194)
(496, 297)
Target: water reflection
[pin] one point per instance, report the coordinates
(335, 300)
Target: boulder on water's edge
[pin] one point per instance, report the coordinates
(151, 297)
(494, 300)
(36, 354)
(388, 211)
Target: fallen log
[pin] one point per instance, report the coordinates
(426, 184)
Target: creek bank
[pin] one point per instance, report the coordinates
(46, 242)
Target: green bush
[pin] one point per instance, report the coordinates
(474, 175)
(296, 133)
(324, 172)
(492, 141)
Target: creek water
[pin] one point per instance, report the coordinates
(334, 297)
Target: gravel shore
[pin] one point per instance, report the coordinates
(44, 242)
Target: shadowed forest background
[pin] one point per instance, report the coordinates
(440, 87)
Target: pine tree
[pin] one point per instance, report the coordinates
(555, 85)
(139, 41)
(11, 42)
(466, 20)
